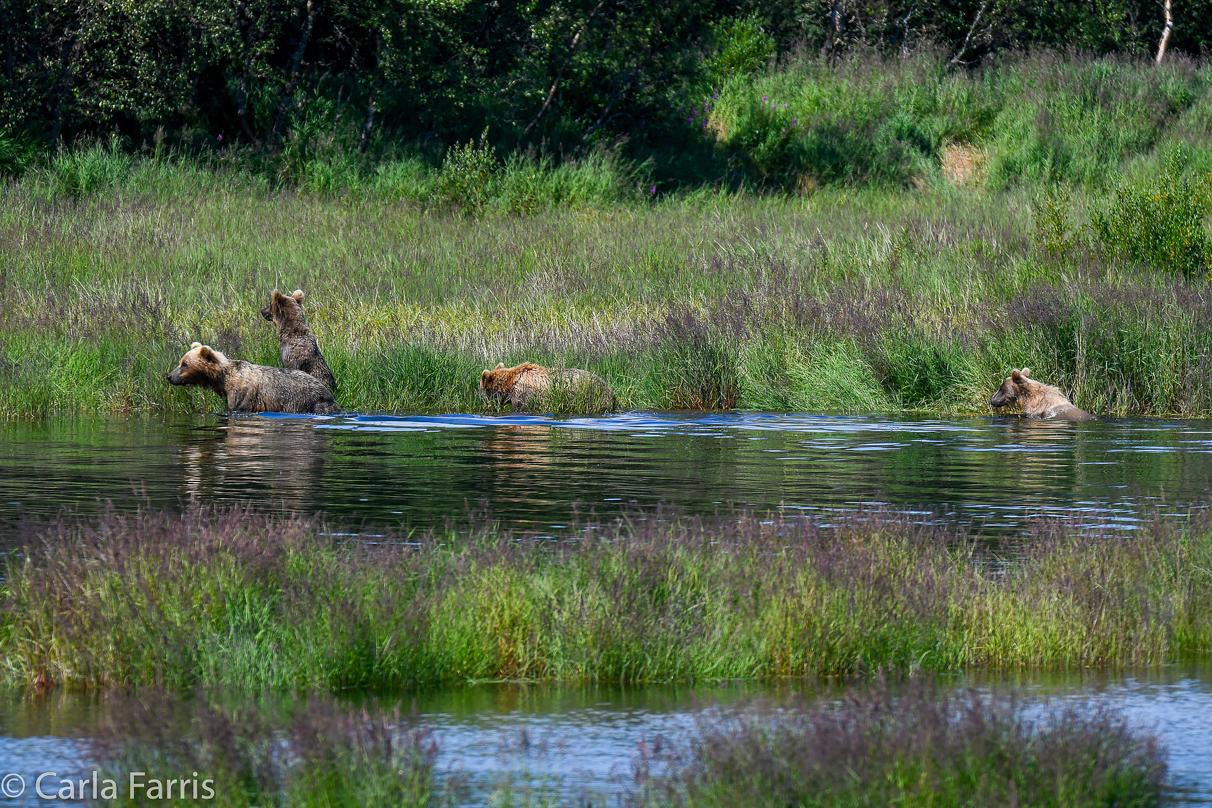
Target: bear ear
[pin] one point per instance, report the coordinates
(484, 375)
(195, 345)
(1016, 375)
(206, 353)
(297, 295)
(1026, 372)
(499, 366)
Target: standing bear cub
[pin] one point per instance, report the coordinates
(1037, 400)
(253, 388)
(297, 344)
(529, 386)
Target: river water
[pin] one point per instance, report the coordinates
(542, 473)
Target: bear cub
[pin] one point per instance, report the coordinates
(297, 344)
(253, 388)
(1036, 399)
(529, 386)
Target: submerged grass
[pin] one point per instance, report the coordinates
(238, 598)
(921, 748)
(911, 744)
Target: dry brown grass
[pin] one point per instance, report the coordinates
(963, 164)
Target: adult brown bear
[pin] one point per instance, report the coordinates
(1036, 399)
(529, 386)
(253, 388)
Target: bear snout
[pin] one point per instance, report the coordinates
(267, 314)
(174, 376)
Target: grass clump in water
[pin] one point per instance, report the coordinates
(243, 599)
(921, 747)
(319, 752)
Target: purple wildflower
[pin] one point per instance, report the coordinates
(793, 121)
(763, 98)
(220, 137)
(653, 191)
(715, 95)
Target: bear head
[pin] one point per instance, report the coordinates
(201, 365)
(284, 308)
(495, 382)
(1013, 388)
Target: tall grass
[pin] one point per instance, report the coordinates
(242, 599)
(871, 300)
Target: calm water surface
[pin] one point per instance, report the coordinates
(539, 472)
(543, 473)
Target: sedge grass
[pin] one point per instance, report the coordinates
(240, 599)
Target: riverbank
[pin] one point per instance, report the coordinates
(240, 599)
(840, 300)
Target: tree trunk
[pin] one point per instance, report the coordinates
(1169, 29)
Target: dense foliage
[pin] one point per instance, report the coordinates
(559, 75)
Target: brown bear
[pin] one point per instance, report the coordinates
(297, 344)
(253, 388)
(530, 386)
(1036, 399)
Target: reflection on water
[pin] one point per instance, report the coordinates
(536, 471)
(586, 737)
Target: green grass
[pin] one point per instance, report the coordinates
(859, 300)
(244, 600)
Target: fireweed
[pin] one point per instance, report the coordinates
(238, 598)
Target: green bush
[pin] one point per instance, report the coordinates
(741, 46)
(1160, 225)
(87, 171)
(463, 182)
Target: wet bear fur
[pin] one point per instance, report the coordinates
(297, 344)
(253, 388)
(1037, 400)
(529, 386)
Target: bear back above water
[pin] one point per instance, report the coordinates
(1037, 400)
(253, 388)
(297, 345)
(529, 386)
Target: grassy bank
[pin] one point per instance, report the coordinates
(859, 300)
(875, 235)
(924, 747)
(241, 599)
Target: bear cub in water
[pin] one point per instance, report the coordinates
(297, 344)
(529, 386)
(253, 388)
(1036, 399)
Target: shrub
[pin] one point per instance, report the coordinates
(1160, 226)
(463, 181)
